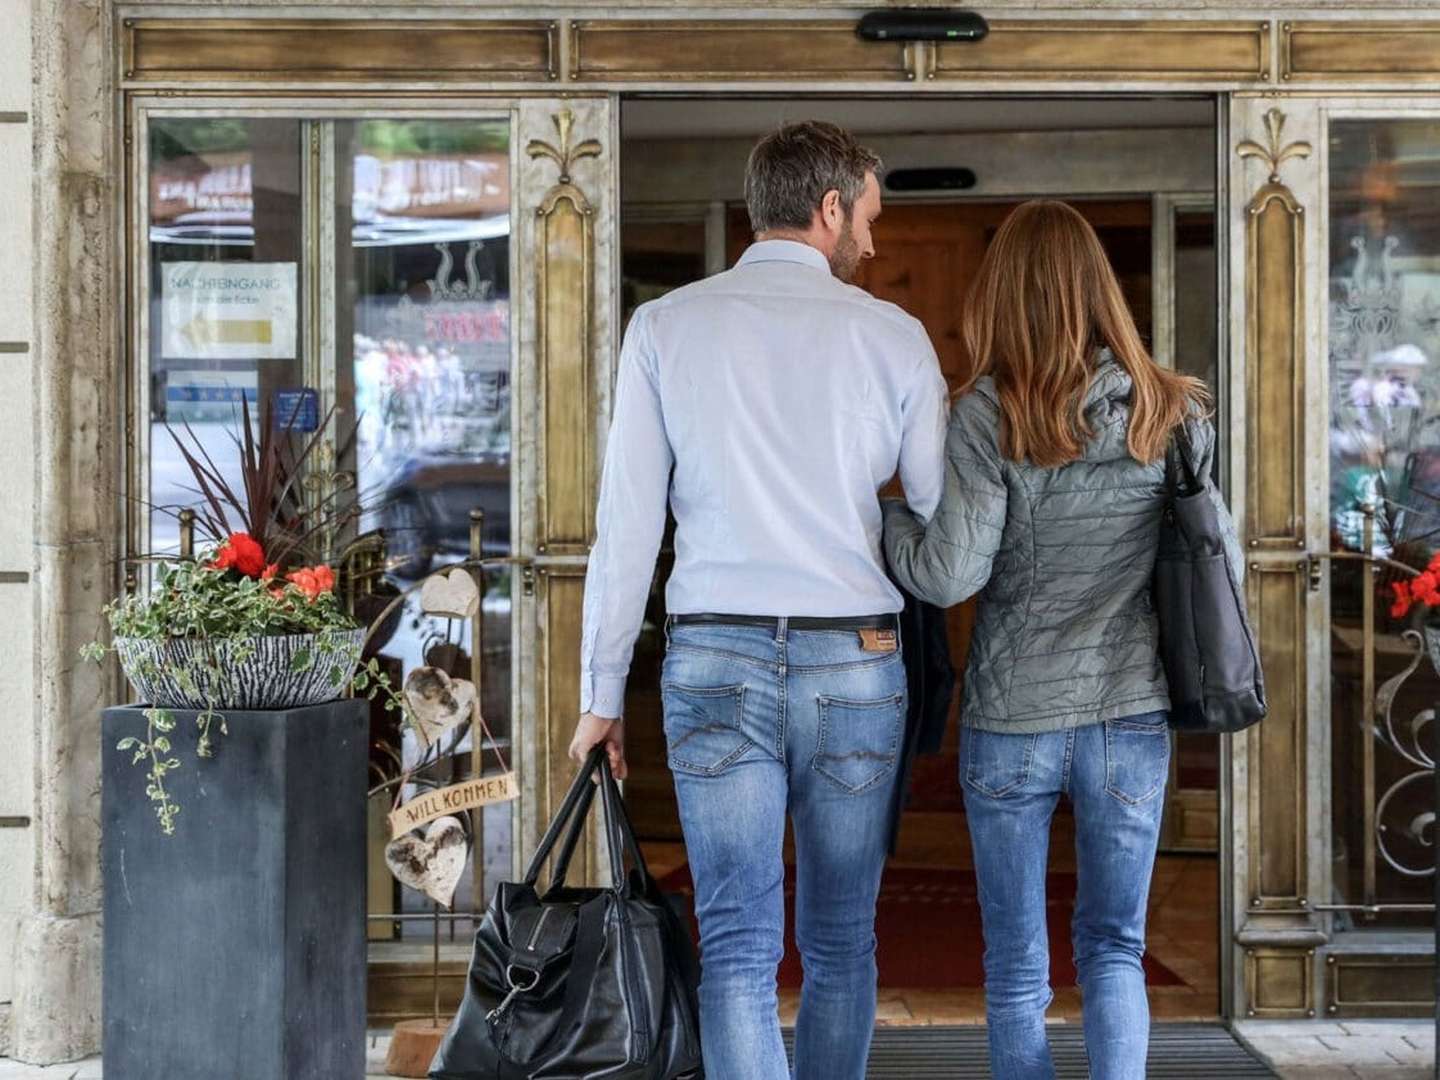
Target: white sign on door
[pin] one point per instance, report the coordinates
(228, 310)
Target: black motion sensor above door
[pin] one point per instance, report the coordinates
(922, 24)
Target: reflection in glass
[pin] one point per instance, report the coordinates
(225, 279)
(1384, 357)
(403, 322)
(422, 226)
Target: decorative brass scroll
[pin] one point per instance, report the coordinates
(563, 301)
(1275, 344)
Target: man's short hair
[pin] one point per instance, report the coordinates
(791, 169)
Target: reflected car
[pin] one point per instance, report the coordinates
(425, 509)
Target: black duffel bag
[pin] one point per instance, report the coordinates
(574, 983)
(1206, 644)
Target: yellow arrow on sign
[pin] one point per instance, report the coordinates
(204, 330)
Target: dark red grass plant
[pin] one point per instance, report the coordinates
(269, 506)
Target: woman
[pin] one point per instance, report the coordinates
(1051, 513)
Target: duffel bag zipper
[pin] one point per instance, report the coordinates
(627, 953)
(539, 925)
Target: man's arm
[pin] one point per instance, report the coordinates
(629, 524)
(922, 434)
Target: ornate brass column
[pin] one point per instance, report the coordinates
(1276, 928)
(566, 293)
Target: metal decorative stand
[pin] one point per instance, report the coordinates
(414, 1042)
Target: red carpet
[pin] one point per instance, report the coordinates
(928, 924)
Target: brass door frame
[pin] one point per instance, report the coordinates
(1364, 974)
(1287, 962)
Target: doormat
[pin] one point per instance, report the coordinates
(1177, 1052)
(928, 925)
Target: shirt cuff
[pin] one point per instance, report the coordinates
(603, 695)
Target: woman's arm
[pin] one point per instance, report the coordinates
(949, 559)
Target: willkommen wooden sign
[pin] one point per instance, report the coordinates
(454, 799)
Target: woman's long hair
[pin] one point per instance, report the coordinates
(1044, 302)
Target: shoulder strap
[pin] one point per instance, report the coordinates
(1180, 475)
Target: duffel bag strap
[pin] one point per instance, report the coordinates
(572, 813)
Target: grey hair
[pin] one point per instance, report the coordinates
(791, 169)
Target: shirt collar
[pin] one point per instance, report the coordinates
(784, 251)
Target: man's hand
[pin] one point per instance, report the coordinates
(593, 730)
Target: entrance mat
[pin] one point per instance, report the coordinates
(928, 925)
(1177, 1052)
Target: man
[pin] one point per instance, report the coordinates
(770, 403)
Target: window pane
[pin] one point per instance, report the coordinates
(1384, 499)
(225, 253)
(422, 227)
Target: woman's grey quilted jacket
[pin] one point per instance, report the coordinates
(1062, 559)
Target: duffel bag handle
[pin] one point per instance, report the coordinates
(569, 822)
(622, 834)
(573, 811)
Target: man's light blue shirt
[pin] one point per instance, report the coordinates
(769, 404)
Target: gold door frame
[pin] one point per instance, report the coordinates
(565, 279)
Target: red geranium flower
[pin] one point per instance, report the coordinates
(1424, 589)
(241, 552)
(313, 581)
(1402, 599)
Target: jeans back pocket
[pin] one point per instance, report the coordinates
(858, 741)
(997, 764)
(703, 733)
(1137, 757)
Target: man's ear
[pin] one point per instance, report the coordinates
(832, 213)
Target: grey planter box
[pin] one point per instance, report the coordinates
(235, 949)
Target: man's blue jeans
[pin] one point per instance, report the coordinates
(759, 723)
(1115, 776)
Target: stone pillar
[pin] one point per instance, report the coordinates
(75, 407)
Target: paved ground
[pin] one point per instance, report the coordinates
(1345, 1050)
(1300, 1050)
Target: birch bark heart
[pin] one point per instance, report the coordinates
(437, 702)
(432, 863)
(453, 594)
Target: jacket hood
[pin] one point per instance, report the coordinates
(1107, 409)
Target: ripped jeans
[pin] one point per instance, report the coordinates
(1114, 773)
(758, 723)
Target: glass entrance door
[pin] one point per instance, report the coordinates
(356, 269)
(429, 292)
(1383, 255)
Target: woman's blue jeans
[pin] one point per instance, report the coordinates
(759, 724)
(1115, 774)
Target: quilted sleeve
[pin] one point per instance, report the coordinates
(948, 560)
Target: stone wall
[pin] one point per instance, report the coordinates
(58, 490)
(17, 494)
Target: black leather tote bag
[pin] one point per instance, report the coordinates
(1206, 644)
(574, 983)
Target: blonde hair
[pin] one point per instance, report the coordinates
(1043, 303)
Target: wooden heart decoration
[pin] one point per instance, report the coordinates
(452, 594)
(437, 702)
(431, 864)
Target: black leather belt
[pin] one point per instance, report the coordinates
(799, 622)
